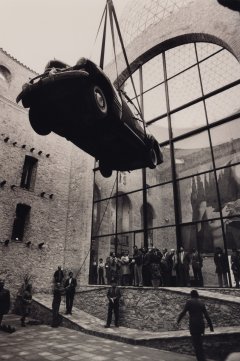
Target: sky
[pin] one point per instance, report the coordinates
(35, 31)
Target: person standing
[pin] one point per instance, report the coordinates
(4, 300)
(26, 301)
(113, 295)
(235, 266)
(125, 268)
(70, 288)
(101, 266)
(58, 275)
(183, 267)
(57, 297)
(197, 264)
(137, 264)
(221, 263)
(196, 310)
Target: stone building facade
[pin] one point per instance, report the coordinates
(56, 193)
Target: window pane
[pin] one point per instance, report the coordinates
(165, 238)
(154, 102)
(184, 88)
(129, 181)
(129, 208)
(161, 200)
(229, 189)
(163, 172)
(180, 58)
(223, 68)
(193, 155)
(199, 237)
(198, 198)
(128, 88)
(188, 119)
(206, 49)
(226, 143)
(224, 104)
(159, 130)
(106, 186)
(104, 217)
(152, 72)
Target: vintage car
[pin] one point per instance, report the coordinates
(81, 104)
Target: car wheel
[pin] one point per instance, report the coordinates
(105, 171)
(152, 158)
(99, 101)
(38, 122)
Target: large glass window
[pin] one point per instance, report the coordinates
(192, 199)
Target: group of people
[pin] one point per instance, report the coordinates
(62, 287)
(153, 267)
(149, 268)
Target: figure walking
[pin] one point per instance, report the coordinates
(196, 310)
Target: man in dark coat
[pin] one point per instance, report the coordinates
(4, 300)
(196, 310)
(57, 297)
(197, 264)
(113, 295)
(70, 288)
(183, 265)
(58, 275)
(221, 263)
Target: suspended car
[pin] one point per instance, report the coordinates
(82, 105)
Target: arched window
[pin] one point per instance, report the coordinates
(5, 74)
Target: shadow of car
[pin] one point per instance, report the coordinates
(81, 104)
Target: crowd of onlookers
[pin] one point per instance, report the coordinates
(155, 267)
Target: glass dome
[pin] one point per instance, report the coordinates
(140, 14)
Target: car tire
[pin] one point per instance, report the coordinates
(38, 121)
(152, 158)
(99, 105)
(105, 171)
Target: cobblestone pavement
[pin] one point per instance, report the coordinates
(41, 343)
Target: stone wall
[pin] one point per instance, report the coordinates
(155, 309)
(63, 223)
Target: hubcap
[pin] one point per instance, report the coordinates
(100, 99)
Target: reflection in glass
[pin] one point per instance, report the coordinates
(184, 88)
(165, 238)
(223, 104)
(193, 155)
(130, 181)
(163, 172)
(219, 70)
(188, 119)
(226, 143)
(159, 130)
(180, 58)
(152, 72)
(161, 200)
(191, 239)
(198, 198)
(229, 189)
(128, 210)
(104, 217)
(154, 102)
(109, 187)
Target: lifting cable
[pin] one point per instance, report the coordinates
(113, 13)
(113, 16)
(100, 223)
